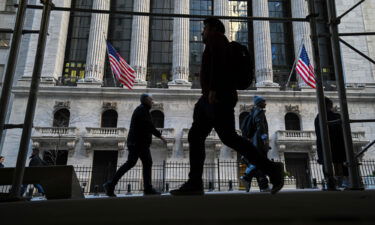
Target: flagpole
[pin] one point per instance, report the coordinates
(295, 61)
(106, 47)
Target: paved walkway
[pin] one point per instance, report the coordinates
(229, 208)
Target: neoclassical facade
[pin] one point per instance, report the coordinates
(83, 114)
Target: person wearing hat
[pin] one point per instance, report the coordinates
(138, 142)
(255, 128)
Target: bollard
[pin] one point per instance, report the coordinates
(167, 187)
(324, 187)
(83, 187)
(315, 183)
(30, 192)
(96, 190)
(129, 189)
(210, 186)
(230, 185)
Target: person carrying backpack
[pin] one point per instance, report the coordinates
(255, 128)
(215, 109)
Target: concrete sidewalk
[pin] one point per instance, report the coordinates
(287, 207)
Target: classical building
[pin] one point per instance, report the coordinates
(83, 114)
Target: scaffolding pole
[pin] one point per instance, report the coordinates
(353, 166)
(31, 104)
(323, 123)
(12, 63)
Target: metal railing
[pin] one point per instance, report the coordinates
(217, 176)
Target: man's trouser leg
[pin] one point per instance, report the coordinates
(145, 156)
(224, 124)
(198, 133)
(130, 163)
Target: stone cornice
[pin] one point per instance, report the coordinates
(172, 94)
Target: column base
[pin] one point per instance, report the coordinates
(267, 86)
(179, 85)
(305, 88)
(90, 83)
(140, 84)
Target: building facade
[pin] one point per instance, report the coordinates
(83, 114)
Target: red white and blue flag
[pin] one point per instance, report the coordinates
(120, 68)
(305, 69)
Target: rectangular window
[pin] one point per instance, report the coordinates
(5, 40)
(119, 35)
(9, 6)
(282, 45)
(197, 7)
(160, 45)
(77, 43)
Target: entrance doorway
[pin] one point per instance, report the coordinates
(297, 164)
(103, 169)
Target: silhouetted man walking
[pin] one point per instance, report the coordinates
(139, 141)
(215, 109)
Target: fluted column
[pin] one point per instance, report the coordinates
(180, 63)
(96, 51)
(139, 42)
(262, 46)
(301, 30)
(221, 8)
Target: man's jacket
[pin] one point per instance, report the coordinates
(257, 128)
(35, 160)
(141, 127)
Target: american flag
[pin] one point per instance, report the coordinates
(305, 69)
(120, 68)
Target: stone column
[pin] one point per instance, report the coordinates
(97, 47)
(221, 8)
(180, 63)
(262, 46)
(301, 30)
(139, 43)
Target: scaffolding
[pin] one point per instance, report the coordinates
(334, 21)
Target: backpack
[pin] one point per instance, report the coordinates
(247, 126)
(241, 65)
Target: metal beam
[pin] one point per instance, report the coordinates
(31, 104)
(357, 34)
(356, 50)
(367, 147)
(323, 124)
(11, 65)
(349, 10)
(362, 121)
(131, 13)
(355, 182)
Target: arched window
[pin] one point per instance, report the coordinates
(61, 118)
(157, 117)
(242, 117)
(292, 122)
(109, 118)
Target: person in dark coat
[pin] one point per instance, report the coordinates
(35, 161)
(2, 158)
(336, 138)
(138, 142)
(257, 128)
(215, 109)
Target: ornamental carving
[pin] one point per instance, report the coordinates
(292, 108)
(246, 108)
(61, 105)
(158, 106)
(109, 105)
